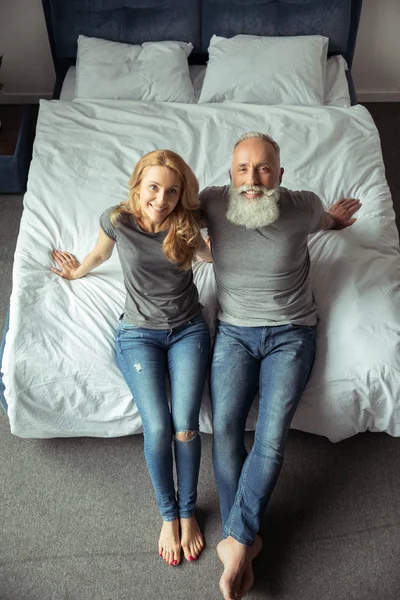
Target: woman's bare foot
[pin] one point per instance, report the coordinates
(191, 538)
(169, 544)
(237, 578)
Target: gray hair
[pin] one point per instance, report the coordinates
(256, 135)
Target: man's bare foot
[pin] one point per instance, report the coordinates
(169, 544)
(237, 578)
(191, 538)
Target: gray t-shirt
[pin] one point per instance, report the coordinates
(263, 275)
(160, 295)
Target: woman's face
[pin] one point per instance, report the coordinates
(159, 193)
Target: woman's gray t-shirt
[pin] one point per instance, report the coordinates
(160, 295)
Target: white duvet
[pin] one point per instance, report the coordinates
(59, 364)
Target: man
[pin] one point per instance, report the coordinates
(265, 337)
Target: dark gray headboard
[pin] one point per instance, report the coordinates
(137, 21)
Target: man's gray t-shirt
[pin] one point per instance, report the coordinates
(263, 275)
(160, 295)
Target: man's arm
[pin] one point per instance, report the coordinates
(340, 214)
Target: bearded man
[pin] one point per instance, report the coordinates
(265, 337)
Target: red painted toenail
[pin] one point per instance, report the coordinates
(175, 562)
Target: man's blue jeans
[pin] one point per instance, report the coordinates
(144, 356)
(277, 361)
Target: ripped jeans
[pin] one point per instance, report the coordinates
(144, 356)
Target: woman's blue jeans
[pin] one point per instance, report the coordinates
(144, 357)
(277, 361)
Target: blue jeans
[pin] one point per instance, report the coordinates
(277, 361)
(144, 356)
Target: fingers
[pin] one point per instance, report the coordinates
(66, 262)
(344, 200)
(350, 205)
(60, 257)
(64, 259)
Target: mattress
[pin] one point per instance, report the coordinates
(60, 373)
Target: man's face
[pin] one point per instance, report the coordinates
(255, 162)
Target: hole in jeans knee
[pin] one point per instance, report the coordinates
(185, 436)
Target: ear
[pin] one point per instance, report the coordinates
(281, 172)
(230, 175)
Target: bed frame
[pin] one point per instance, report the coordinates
(137, 21)
(195, 21)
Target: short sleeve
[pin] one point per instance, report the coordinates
(202, 212)
(106, 225)
(317, 212)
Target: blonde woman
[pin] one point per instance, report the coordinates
(162, 329)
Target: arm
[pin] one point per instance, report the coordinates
(70, 268)
(340, 214)
(203, 249)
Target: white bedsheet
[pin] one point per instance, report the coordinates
(59, 365)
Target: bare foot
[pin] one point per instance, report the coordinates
(237, 578)
(248, 575)
(191, 538)
(169, 545)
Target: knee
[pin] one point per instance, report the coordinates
(158, 431)
(186, 436)
(225, 428)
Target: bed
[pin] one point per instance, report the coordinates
(59, 373)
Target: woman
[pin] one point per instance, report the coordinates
(161, 329)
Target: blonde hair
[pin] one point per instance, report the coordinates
(181, 241)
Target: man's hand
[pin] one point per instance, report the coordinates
(67, 263)
(341, 213)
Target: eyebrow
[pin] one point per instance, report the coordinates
(244, 164)
(175, 185)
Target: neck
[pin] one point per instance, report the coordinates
(150, 226)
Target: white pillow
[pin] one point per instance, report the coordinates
(336, 86)
(266, 70)
(154, 71)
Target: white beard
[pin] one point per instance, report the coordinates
(253, 213)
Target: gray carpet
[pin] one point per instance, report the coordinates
(78, 520)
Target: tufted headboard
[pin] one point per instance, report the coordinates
(137, 21)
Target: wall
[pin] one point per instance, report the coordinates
(376, 66)
(28, 73)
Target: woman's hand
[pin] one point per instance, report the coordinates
(203, 251)
(67, 263)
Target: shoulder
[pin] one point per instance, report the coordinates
(300, 197)
(106, 224)
(213, 193)
(307, 207)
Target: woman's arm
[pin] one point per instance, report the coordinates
(70, 268)
(203, 249)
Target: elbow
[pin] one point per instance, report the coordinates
(99, 258)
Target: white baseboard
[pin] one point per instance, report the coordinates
(8, 98)
(375, 96)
